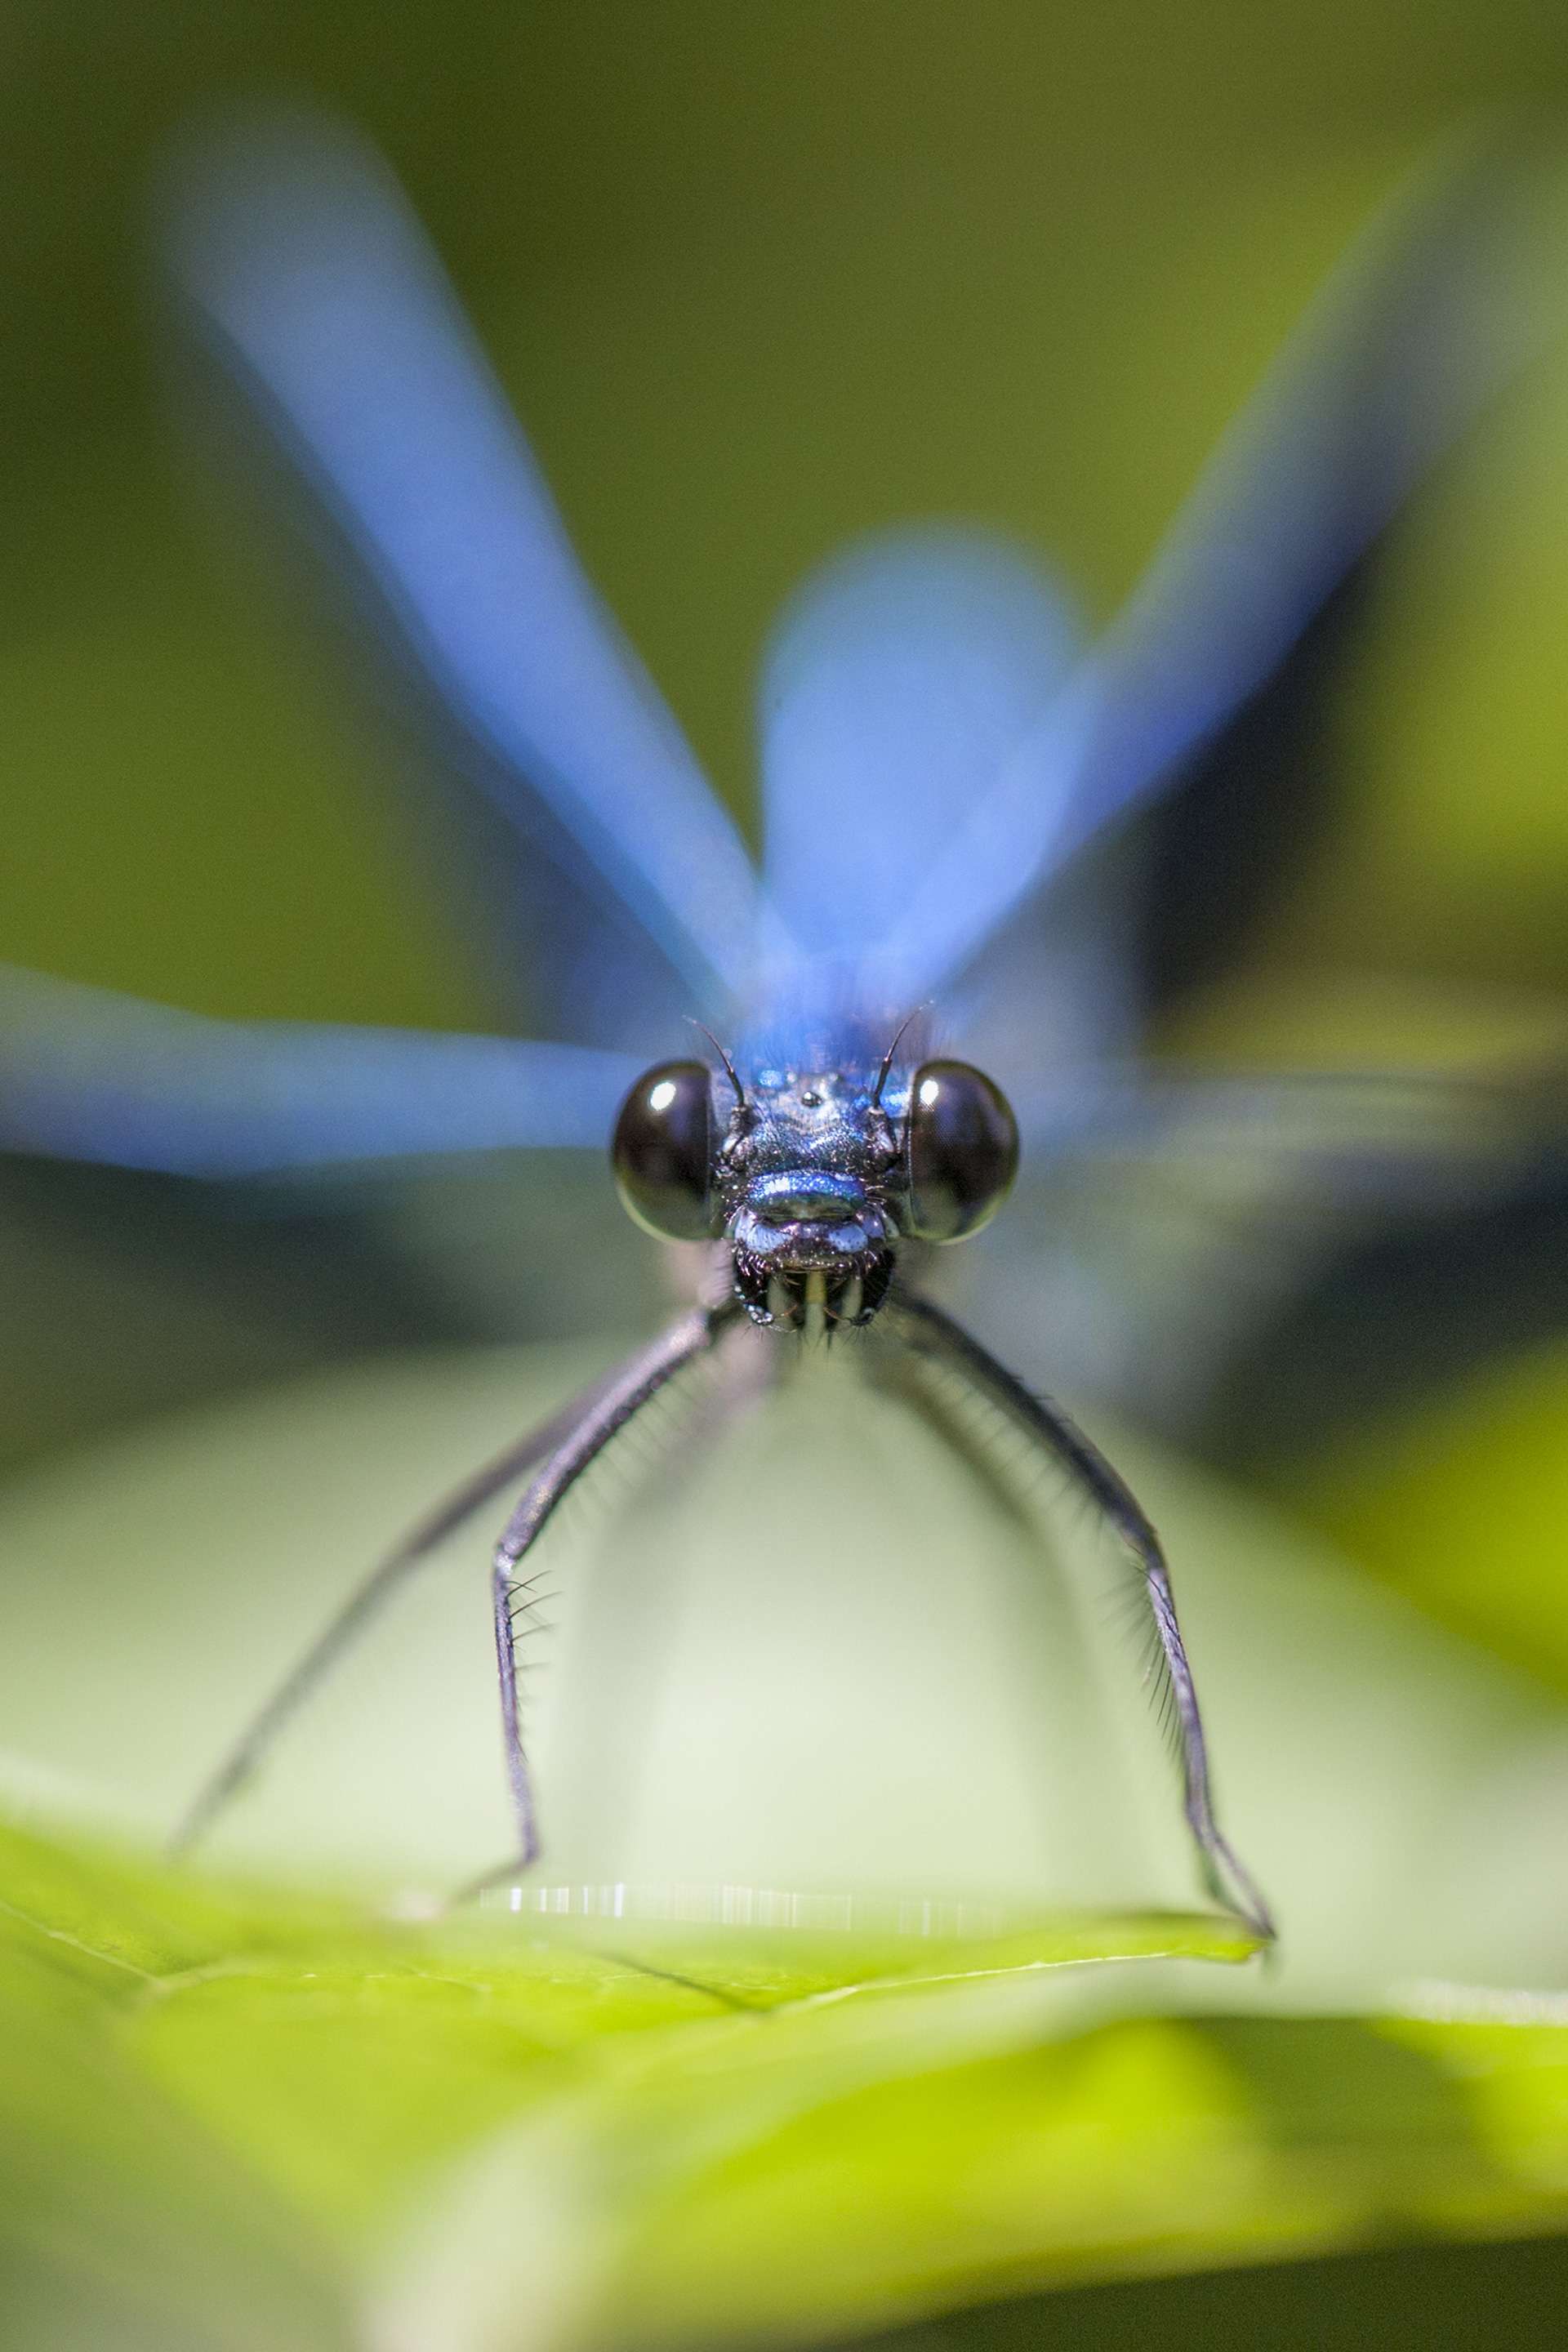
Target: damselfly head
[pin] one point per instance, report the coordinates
(814, 1177)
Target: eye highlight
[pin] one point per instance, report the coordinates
(662, 1150)
(963, 1151)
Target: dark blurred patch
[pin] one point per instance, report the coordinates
(1507, 2298)
(128, 1295)
(1247, 816)
(1401, 1315)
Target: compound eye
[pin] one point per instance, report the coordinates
(662, 1150)
(963, 1151)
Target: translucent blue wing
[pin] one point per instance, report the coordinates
(306, 278)
(86, 1073)
(1403, 1312)
(1349, 1138)
(1168, 1222)
(1402, 350)
(899, 682)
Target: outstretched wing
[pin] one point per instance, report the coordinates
(88, 1075)
(1193, 1240)
(1412, 336)
(900, 678)
(303, 275)
(253, 1197)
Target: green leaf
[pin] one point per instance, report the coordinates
(124, 2220)
(803, 2185)
(348, 2052)
(236, 2116)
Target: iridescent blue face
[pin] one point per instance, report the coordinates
(814, 1177)
(812, 1193)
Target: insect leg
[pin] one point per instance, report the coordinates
(928, 1329)
(390, 1572)
(605, 1415)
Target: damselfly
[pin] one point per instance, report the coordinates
(939, 761)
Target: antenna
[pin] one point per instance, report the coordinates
(728, 1065)
(886, 1071)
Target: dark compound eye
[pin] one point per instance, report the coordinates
(662, 1152)
(963, 1151)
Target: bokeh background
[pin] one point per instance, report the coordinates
(760, 279)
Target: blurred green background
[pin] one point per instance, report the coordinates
(761, 277)
(758, 278)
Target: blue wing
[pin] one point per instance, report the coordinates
(1402, 351)
(896, 684)
(1350, 1138)
(88, 1075)
(306, 280)
(1192, 1240)
(899, 682)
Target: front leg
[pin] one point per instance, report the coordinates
(606, 1414)
(395, 1570)
(934, 1334)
